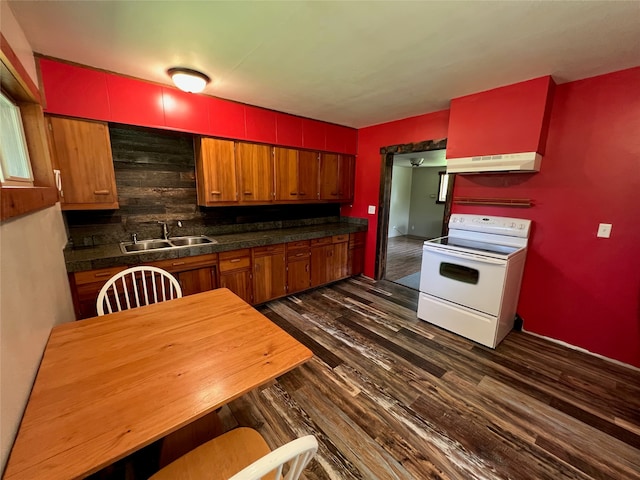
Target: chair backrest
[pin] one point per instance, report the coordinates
(136, 287)
(296, 454)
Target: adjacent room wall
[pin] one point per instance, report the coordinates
(425, 215)
(400, 205)
(34, 290)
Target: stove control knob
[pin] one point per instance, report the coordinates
(513, 225)
(521, 226)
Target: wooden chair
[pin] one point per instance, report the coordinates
(241, 454)
(136, 287)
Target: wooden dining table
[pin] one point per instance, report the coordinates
(108, 386)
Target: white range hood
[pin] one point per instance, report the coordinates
(510, 162)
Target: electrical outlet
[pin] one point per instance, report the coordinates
(604, 230)
(372, 209)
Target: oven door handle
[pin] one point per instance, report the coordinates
(470, 256)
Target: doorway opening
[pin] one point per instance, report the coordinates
(415, 205)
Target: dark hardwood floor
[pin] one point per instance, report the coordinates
(391, 397)
(404, 256)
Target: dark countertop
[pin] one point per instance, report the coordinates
(104, 256)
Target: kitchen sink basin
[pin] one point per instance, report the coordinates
(188, 241)
(174, 242)
(143, 245)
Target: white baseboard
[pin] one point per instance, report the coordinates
(583, 350)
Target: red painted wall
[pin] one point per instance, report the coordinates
(89, 93)
(511, 119)
(431, 126)
(578, 288)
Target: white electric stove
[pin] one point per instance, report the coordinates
(470, 279)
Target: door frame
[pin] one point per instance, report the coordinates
(384, 199)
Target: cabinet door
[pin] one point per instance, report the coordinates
(255, 163)
(321, 265)
(198, 280)
(82, 152)
(286, 173)
(239, 282)
(329, 180)
(346, 174)
(339, 261)
(269, 277)
(216, 172)
(298, 272)
(308, 171)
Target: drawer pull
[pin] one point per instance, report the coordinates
(293, 193)
(175, 264)
(235, 260)
(101, 192)
(103, 274)
(247, 193)
(303, 193)
(334, 194)
(216, 193)
(299, 254)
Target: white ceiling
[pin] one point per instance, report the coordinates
(354, 63)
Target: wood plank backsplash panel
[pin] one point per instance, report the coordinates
(155, 178)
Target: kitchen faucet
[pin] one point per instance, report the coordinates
(165, 230)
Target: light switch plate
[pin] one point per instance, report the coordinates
(604, 230)
(372, 209)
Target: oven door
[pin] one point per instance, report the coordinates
(470, 280)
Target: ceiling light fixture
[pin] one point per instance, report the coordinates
(188, 80)
(416, 162)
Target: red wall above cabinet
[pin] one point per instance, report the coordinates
(511, 119)
(261, 124)
(135, 102)
(75, 91)
(87, 93)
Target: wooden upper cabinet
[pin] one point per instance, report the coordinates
(216, 172)
(346, 175)
(286, 173)
(308, 171)
(329, 180)
(255, 163)
(81, 150)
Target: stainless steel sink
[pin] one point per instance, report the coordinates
(188, 241)
(143, 245)
(174, 242)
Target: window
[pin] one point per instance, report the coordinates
(443, 187)
(15, 168)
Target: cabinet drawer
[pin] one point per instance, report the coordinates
(294, 255)
(101, 275)
(235, 260)
(340, 238)
(186, 263)
(269, 249)
(298, 244)
(315, 242)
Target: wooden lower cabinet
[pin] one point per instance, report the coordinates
(198, 280)
(256, 275)
(355, 263)
(329, 257)
(235, 273)
(269, 273)
(298, 266)
(195, 274)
